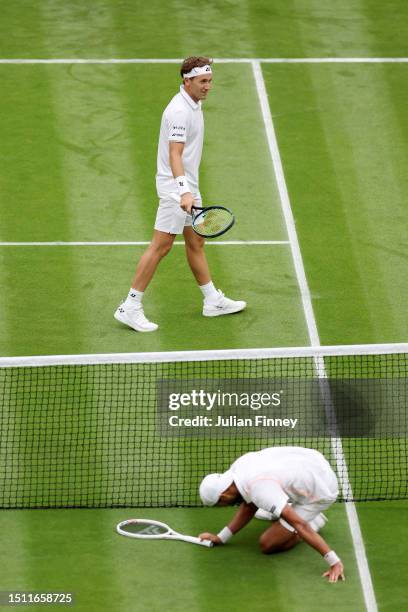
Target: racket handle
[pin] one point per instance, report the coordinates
(194, 540)
(207, 543)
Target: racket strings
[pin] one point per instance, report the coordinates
(213, 221)
(145, 529)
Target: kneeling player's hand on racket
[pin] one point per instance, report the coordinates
(210, 536)
(335, 573)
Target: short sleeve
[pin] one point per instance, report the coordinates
(177, 125)
(268, 495)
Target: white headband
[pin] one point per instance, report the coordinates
(197, 71)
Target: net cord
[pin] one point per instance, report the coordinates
(216, 355)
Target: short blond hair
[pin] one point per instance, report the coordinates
(194, 62)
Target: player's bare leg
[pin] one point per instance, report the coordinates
(277, 539)
(158, 248)
(131, 312)
(196, 257)
(215, 302)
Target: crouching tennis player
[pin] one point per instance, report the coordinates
(292, 484)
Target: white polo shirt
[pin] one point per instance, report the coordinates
(272, 477)
(182, 121)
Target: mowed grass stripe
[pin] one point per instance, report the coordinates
(358, 543)
(93, 164)
(102, 132)
(347, 182)
(106, 123)
(344, 122)
(70, 318)
(105, 570)
(289, 30)
(33, 200)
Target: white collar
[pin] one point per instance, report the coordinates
(241, 489)
(194, 105)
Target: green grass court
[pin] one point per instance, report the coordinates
(78, 154)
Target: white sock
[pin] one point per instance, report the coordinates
(134, 297)
(209, 291)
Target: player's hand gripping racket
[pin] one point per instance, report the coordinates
(147, 529)
(211, 221)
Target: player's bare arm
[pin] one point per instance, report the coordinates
(176, 164)
(314, 540)
(244, 514)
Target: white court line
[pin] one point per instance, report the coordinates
(141, 243)
(362, 562)
(335, 60)
(220, 60)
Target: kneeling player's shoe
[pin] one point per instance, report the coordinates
(135, 318)
(318, 522)
(263, 515)
(221, 305)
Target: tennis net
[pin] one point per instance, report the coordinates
(142, 430)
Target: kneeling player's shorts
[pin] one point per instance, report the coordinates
(309, 511)
(170, 217)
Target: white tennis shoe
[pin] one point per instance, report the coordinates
(135, 318)
(221, 305)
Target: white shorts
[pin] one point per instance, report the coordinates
(308, 512)
(170, 217)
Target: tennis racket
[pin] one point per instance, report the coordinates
(211, 221)
(148, 529)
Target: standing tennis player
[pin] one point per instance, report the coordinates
(178, 162)
(293, 484)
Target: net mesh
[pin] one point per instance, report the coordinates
(92, 435)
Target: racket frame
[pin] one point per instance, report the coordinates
(169, 535)
(202, 209)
